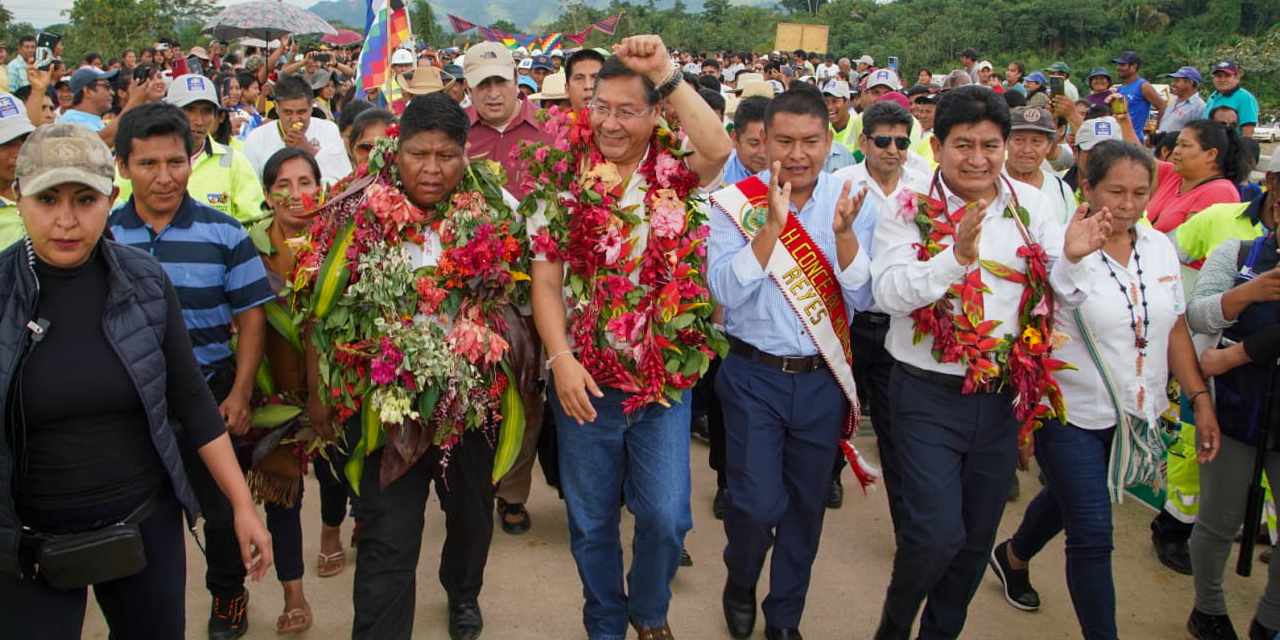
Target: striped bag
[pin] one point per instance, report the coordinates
(1137, 449)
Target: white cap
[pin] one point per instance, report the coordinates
(1272, 167)
(402, 56)
(983, 65)
(884, 78)
(191, 88)
(1096, 130)
(527, 63)
(13, 118)
(535, 52)
(837, 88)
(556, 52)
(867, 60)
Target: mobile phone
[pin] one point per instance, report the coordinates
(893, 62)
(323, 58)
(144, 72)
(193, 66)
(46, 42)
(1055, 86)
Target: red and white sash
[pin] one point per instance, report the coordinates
(806, 279)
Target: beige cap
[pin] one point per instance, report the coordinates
(554, 87)
(198, 52)
(755, 88)
(487, 60)
(744, 78)
(419, 81)
(60, 153)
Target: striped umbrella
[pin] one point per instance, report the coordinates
(265, 19)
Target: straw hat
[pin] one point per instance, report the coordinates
(421, 80)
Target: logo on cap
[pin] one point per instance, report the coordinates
(1031, 115)
(489, 55)
(68, 151)
(195, 83)
(8, 107)
(1102, 128)
(882, 75)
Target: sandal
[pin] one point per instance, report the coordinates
(331, 564)
(653, 633)
(294, 620)
(521, 522)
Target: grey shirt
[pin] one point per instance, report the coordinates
(1217, 276)
(1178, 114)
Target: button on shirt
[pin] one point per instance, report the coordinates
(489, 143)
(756, 311)
(1106, 311)
(902, 283)
(264, 141)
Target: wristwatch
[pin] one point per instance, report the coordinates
(666, 88)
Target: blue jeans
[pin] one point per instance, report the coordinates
(1074, 462)
(643, 457)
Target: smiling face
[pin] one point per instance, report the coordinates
(1128, 71)
(1099, 84)
(970, 158)
(1027, 150)
(1124, 191)
(158, 168)
(890, 158)
(431, 165)
(65, 222)
(800, 142)
(750, 145)
(838, 111)
(295, 179)
(622, 135)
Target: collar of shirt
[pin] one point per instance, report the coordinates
(526, 112)
(1003, 194)
(1254, 210)
(907, 179)
(127, 215)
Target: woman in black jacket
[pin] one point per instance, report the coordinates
(100, 382)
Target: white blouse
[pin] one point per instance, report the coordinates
(1140, 379)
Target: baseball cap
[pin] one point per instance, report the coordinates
(1031, 119)
(542, 62)
(1274, 165)
(526, 81)
(527, 63)
(486, 60)
(916, 89)
(1128, 57)
(1228, 66)
(13, 118)
(556, 53)
(1036, 76)
(454, 71)
(1059, 67)
(837, 88)
(1189, 73)
(1096, 130)
(896, 98)
(60, 153)
(867, 60)
(983, 65)
(85, 76)
(190, 88)
(1100, 71)
(884, 78)
(198, 52)
(402, 56)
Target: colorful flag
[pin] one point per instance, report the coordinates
(459, 25)
(580, 37)
(387, 30)
(608, 25)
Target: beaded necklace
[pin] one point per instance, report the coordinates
(1139, 336)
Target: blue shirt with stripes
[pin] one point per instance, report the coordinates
(214, 268)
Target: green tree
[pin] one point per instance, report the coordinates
(113, 25)
(505, 25)
(422, 21)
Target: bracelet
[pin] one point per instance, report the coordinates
(669, 85)
(552, 359)
(1191, 397)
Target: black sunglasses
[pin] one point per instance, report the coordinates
(883, 142)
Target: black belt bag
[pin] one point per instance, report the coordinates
(77, 560)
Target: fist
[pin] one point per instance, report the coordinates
(646, 55)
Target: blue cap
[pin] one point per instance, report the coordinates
(1100, 71)
(1189, 73)
(1128, 57)
(526, 81)
(542, 62)
(1036, 76)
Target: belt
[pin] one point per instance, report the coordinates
(871, 317)
(786, 364)
(941, 379)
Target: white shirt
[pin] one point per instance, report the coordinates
(1060, 197)
(901, 283)
(264, 141)
(827, 71)
(1106, 310)
(908, 178)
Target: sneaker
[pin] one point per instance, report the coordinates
(1259, 632)
(1016, 582)
(700, 427)
(227, 619)
(1203, 626)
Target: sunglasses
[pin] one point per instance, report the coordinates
(883, 142)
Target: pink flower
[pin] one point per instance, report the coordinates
(1042, 307)
(907, 205)
(543, 244)
(391, 207)
(559, 167)
(541, 154)
(667, 216)
(386, 365)
(610, 244)
(668, 167)
(627, 327)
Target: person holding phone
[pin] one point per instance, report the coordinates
(16, 70)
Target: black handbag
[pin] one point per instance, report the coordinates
(77, 560)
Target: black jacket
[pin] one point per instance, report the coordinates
(134, 321)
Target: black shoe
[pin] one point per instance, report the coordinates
(1014, 491)
(835, 494)
(699, 428)
(465, 621)
(521, 522)
(1017, 583)
(686, 560)
(739, 610)
(1176, 555)
(717, 505)
(1206, 627)
(1265, 556)
(1259, 632)
(227, 619)
(774, 633)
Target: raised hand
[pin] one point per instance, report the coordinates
(970, 232)
(779, 198)
(1085, 235)
(646, 55)
(847, 209)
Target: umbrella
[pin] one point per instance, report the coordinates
(265, 19)
(259, 43)
(343, 38)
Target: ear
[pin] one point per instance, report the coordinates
(936, 145)
(122, 168)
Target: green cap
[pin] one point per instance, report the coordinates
(56, 154)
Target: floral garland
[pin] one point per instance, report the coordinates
(417, 349)
(1022, 359)
(639, 317)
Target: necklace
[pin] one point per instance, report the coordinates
(1139, 336)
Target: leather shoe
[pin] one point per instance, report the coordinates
(835, 494)
(1173, 554)
(774, 633)
(465, 621)
(717, 505)
(739, 610)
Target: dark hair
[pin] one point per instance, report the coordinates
(222, 84)
(245, 79)
(150, 50)
(90, 57)
(579, 56)
(271, 170)
(1214, 135)
(435, 111)
(708, 82)
(1022, 69)
(1223, 108)
(750, 110)
(1164, 141)
(926, 70)
(970, 104)
(613, 69)
(1015, 99)
(1250, 151)
(126, 52)
(23, 93)
(367, 117)
(713, 98)
(292, 87)
(801, 99)
(1096, 111)
(25, 39)
(711, 62)
(222, 133)
(151, 120)
(1107, 153)
(884, 113)
(349, 113)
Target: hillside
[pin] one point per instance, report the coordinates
(522, 14)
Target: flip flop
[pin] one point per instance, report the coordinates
(293, 620)
(331, 564)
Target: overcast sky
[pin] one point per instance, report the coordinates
(45, 12)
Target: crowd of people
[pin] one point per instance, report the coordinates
(248, 266)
